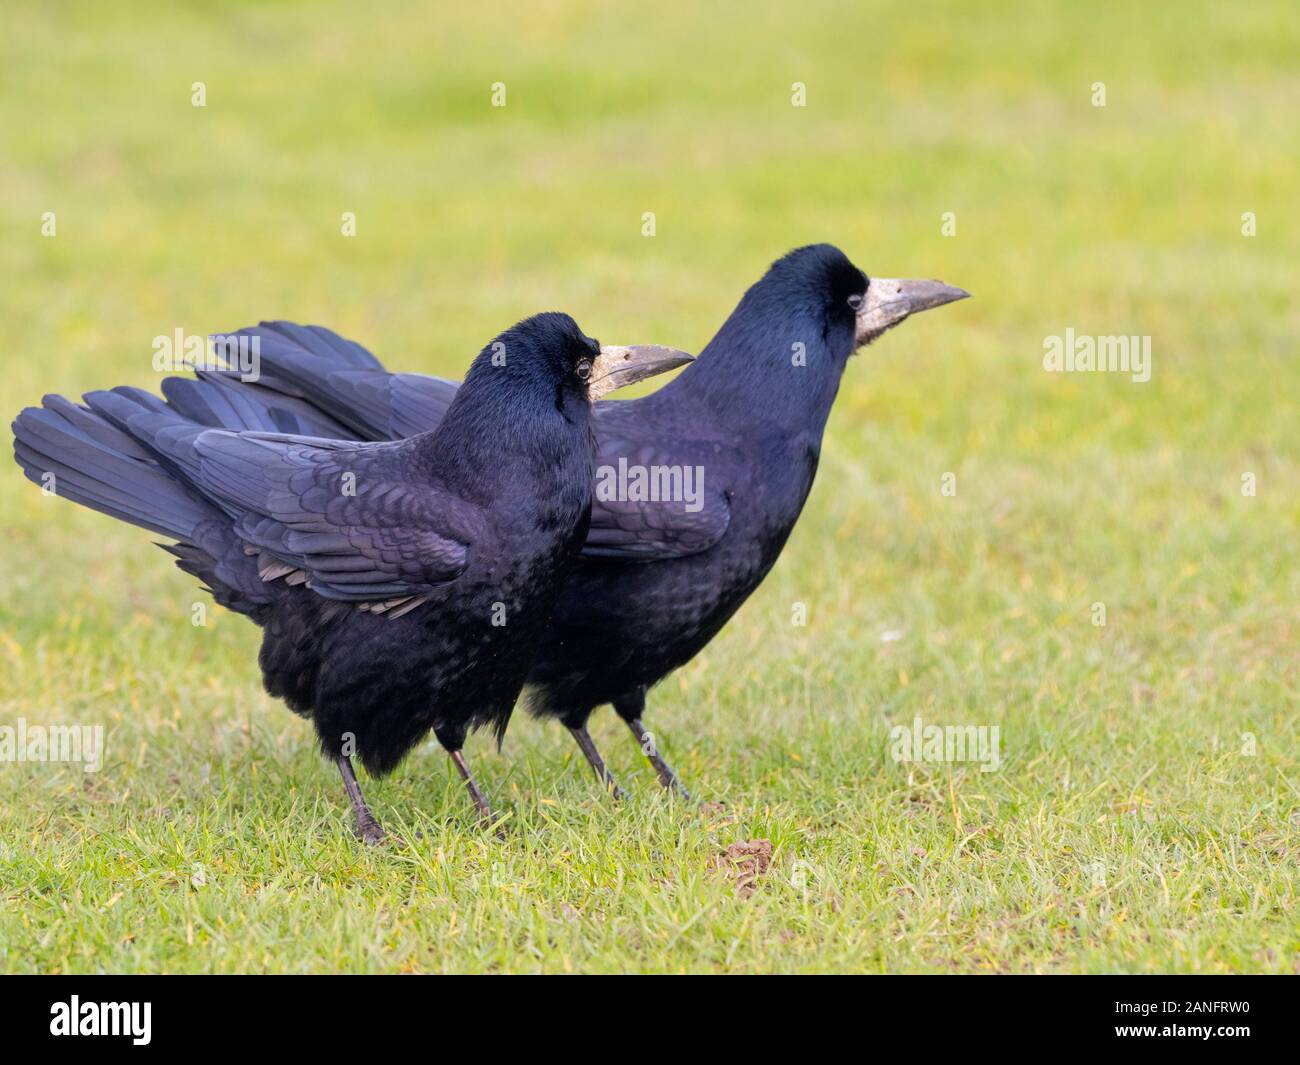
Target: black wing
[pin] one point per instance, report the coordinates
(326, 382)
(354, 520)
(657, 495)
(312, 374)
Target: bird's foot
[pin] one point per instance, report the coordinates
(588, 747)
(667, 778)
(486, 816)
(369, 832)
(367, 827)
(476, 796)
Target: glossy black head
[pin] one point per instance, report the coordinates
(819, 284)
(550, 356)
(783, 350)
(541, 354)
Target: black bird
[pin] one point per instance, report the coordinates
(659, 581)
(402, 586)
(658, 578)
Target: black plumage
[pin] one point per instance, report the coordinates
(657, 579)
(402, 586)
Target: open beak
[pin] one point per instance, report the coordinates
(892, 299)
(618, 365)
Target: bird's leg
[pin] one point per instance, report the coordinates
(629, 708)
(367, 827)
(476, 796)
(667, 777)
(588, 747)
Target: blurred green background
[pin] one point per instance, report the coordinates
(1128, 829)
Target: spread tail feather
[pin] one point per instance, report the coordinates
(83, 456)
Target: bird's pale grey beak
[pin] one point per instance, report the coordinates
(618, 365)
(892, 299)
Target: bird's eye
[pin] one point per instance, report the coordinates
(855, 301)
(584, 368)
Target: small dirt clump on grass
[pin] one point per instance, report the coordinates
(745, 862)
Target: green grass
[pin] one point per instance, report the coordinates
(1126, 829)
